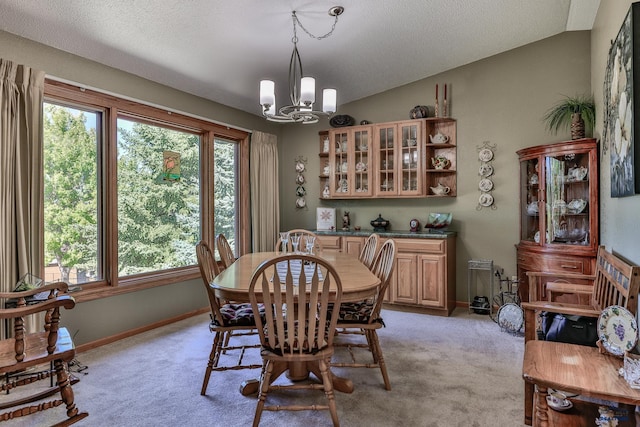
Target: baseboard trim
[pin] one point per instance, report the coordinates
(131, 332)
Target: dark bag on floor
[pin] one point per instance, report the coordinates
(569, 329)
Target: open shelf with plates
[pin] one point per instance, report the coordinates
(558, 209)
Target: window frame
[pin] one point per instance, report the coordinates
(114, 107)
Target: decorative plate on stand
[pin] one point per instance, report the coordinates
(510, 317)
(617, 330)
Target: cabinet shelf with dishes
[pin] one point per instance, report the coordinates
(390, 160)
(558, 209)
(441, 155)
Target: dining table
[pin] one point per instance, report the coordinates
(358, 283)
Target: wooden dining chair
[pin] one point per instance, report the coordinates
(297, 328)
(363, 318)
(25, 351)
(226, 318)
(369, 250)
(302, 234)
(224, 250)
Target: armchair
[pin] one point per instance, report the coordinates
(51, 348)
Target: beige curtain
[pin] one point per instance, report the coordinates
(265, 196)
(21, 193)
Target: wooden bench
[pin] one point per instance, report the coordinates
(615, 282)
(51, 349)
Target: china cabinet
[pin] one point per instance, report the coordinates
(389, 160)
(558, 209)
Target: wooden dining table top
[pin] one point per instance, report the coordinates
(358, 282)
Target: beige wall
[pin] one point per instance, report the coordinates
(618, 216)
(500, 100)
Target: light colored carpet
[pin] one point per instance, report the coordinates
(445, 371)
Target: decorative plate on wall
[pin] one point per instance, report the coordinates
(485, 170)
(485, 155)
(485, 185)
(485, 199)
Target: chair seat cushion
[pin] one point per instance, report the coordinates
(238, 314)
(355, 312)
(306, 348)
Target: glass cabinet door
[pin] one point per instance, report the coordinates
(410, 161)
(340, 161)
(362, 167)
(385, 180)
(567, 199)
(530, 198)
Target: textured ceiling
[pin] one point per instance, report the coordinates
(221, 49)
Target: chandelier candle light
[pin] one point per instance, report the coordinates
(302, 89)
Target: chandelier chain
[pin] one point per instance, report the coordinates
(295, 35)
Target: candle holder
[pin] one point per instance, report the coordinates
(444, 102)
(437, 113)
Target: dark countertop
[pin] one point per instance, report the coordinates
(423, 234)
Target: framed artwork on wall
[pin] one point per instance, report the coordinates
(622, 79)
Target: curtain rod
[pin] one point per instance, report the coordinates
(150, 104)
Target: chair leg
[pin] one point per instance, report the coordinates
(265, 382)
(376, 349)
(66, 392)
(213, 361)
(328, 389)
(227, 337)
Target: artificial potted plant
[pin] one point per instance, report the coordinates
(578, 113)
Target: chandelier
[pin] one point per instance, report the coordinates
(302, 89)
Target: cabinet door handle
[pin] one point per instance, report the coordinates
(572, 267)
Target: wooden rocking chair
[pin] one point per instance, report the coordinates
(51, 350)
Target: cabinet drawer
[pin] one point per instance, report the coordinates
(558, 264)
(331, 242)
(553, 264)
(432, 246)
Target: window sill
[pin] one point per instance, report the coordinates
(134, 283)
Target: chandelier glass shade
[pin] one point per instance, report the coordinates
(302, 89)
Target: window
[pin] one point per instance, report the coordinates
(130, 189)
(226, 190)
(71, 238)
(158, 186)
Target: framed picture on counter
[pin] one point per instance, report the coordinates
(326, 218)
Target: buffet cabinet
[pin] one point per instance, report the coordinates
(424, 274)
(388, 160)
(559, 230)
